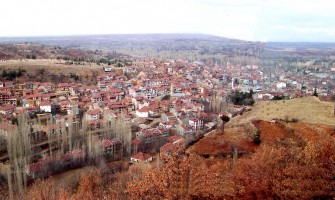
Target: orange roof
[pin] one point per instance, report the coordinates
(174, 139)
(45, 103)
(136, 141)
(141, 156)
(168, 147)
(106, 143)
(144, 109)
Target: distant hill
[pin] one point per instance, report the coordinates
(194, 47)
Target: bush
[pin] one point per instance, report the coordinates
(242, 98)
(257, 137)
(295, 120)
(225, 118)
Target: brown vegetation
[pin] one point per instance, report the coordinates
(220, 145)
(294, 160)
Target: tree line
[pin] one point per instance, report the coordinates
(12, 74)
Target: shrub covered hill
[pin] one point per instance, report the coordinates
(256, 157)
(36, 62)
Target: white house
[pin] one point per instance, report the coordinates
(107, 69)
(143, 112)
(281, 85)
(45, 106)
(196, 124)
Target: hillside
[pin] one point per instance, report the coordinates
(294, 160)
(55, 64)
(38, 51)
(308, 110)
(52, 70)
(193, 47)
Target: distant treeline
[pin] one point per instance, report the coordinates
(108, 61)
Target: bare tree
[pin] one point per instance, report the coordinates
(19, 153)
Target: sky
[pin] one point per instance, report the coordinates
(253, 20)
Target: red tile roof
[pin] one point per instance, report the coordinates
(136, 141)
(106, 143)
(175, 138)
(141, 156)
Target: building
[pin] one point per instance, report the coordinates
(143, 112)
(140, 156)
(7, 109)
(45, 106)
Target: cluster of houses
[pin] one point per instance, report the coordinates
(160, 98)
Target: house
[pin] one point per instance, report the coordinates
(183, 129)
(261, 95)
(175, 143)
(112, 147)
(45, 106)
(175, 139)
(7, 109)
(281, 85)
(107, 69)
(32, 99)
(73, 109)
(140, 156)
(165, 125)
(64, 105)
(168, 116)
(196, 124)
(93, 114)
(35, 170)
(143, 112)
(209, 125)
(96, 98)
(4, 97)
(9, 84)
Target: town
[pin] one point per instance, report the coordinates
(141, 110)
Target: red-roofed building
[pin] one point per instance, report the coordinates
(4, 97)
(167, 149)
(45, 106)
(175, 139)
(93, 114)
(175, 143)
(7, 109)
(140, 156)
(35, 169)
(143, 112)
(196, 124)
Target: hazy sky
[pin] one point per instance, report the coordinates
(262, 20)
